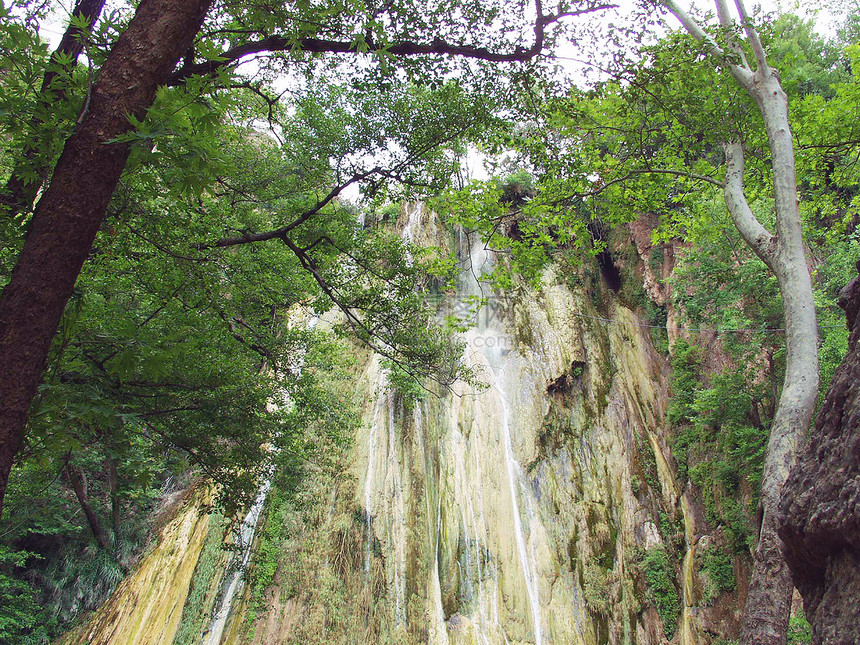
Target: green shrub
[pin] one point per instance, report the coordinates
(720, 570)
(799, 630)
(659, 575)
(19, 611)
(595, 588)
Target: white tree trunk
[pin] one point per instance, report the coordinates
(769, 600)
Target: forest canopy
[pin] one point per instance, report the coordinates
(170, 323)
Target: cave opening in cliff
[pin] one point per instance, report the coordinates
(609, 271)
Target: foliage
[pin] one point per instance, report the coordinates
(799, 629)
(596, 588)
(317, 554)
(405, 386)
(720, 572)
(715, 444)
(22, 611)
(330, 430)
(656, 569)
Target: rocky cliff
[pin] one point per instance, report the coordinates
(820, 503)
(539, 504)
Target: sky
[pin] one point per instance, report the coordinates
(823, 12)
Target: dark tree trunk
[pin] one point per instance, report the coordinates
(114, 495)
(20, 193)
(820, 502)
(68, 216)
(79, 485)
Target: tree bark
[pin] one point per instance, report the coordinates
(818, 513)
(79, 485)
(20, 193)
(769, 599)
(68, 216)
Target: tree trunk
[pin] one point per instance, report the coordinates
(79, 485)
(113, 477)
(818, 513)
(20, 193)
(769, 601)
(68, 216)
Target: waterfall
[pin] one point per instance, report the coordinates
(491, 349)
(397, 519)
(368, 484)
(527, 561)
(236, 582)
(413, 220)
(493, 531)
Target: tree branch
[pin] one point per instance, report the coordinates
(762, 241)
(743, 75)
(726, 21)
(752, 36)
(649, 171)
(401, 48)
(367, 334)
(249, 238)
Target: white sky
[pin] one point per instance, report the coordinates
(824, 14)
(823, 11)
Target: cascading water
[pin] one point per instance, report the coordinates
(496, 552)
(490, 343)
(236, 581)
(413, 221)
(527, 561)
(368, 485)
(463, 449)
(510, 513)
(397, 525)
(490, 516)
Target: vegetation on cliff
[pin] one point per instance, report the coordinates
(161, 275)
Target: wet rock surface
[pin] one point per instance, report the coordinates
(820, 504)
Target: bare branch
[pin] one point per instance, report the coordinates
(726, 21)
(401, 48)
(366, 334)
(723, 13)
(757, 236)
(752, 35)
(163, 248)
(281, 232)
(743, 75)
(649, 171)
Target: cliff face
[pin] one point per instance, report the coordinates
(538, 505)
(147, 606)
(820, 503)
(541, 507)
